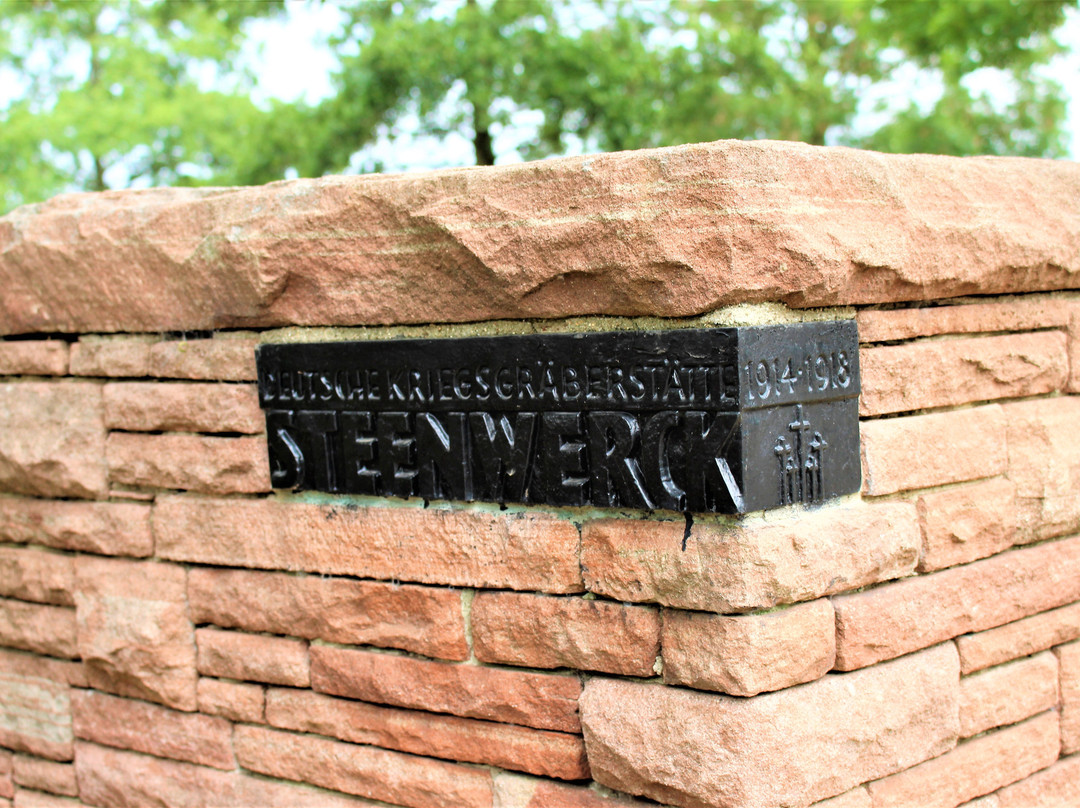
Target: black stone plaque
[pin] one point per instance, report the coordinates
(724, 420)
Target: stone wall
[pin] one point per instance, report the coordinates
(177, 634)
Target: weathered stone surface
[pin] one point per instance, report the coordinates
(749, 654)
(104, 528)
(52, 439)
(182, 407)
(550, 754)
(1044, 462)
(942, 373)
(966, 523)
(1058, 785)
(973, 768)
(155, 730)
(540, 700)
(451, 547)
(37, 575)
(35, 708)
(904, 616)
(363, 770)
(1019, 638)
(236, 701)
(228, 357)
(33, 358)
(544, 632)
(1007, 694)
(756, 563)
(856, 798)
(189, 462)
(110, 356)
(253, 657)
(422, 619)
(790, 747)
(135, 636)
(1025, 313)
(37, 627)
(672, 231)
(522, 791)
(7, 785)
(121, 779)
(1074, 353)
(1069, 666)
(45, 775)
(27, 798)
(919, 451)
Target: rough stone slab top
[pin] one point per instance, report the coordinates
(668, 232)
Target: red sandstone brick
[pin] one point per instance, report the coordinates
(52, 439)
(1007, 694)
(189, 462)
(33, 358)
(900, 617)
(1069, 667)
(7, 785)
(253, 657)
(790, 747)
(1017, 314)
(551, 754)
(39, 628)
(235, 701)
(135, 636)
(182, 407)
(37, 575)
(362, 770)
(920, 451)
(24, 664)
(942, 373)
(453, 547)
(521, 791)
(545, 632)
(756, 563)
(1020, 638)
(25, 798)
(35, 708)
(973, 768)
(152, 729)
(540, 700)
(422, 619)
(966, 523)
(225, 357)
(1044, 462)
(749, 654)
(1074, 353)
(46, 775)
(121, 779)
(104, 528)
(1055, 787)
(116, 357)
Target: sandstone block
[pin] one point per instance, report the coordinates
(52, 439)
(421, 619)
(26, 664)
(127, 724)
(1044, 462)
(790, 747)
(1055, 785)
(545, 632)
(362, 770)
(7, 785)
(1069, 666)
(521, 791)
(1026, 313)
(1019, 638)
(38, 628)
(540, 700)
(35, 710)
(973, 768)
(749, 654)
(33, 358)
(232, 700)
(549, 754)
(182, 407)
(906, 615)
(1007, 694)
(37, 575)
(449, 547)
(25, 798)
(121, 779)
(754, 563)
(856, 798)
(944, 373)
(252, 657)
(135, 637)
(966, 523)
(189, 462)
(920, 451)
(104, 528)
(112, 357)
(226, 357)
(45, 775)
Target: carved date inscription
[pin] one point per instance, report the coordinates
(720, 420)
